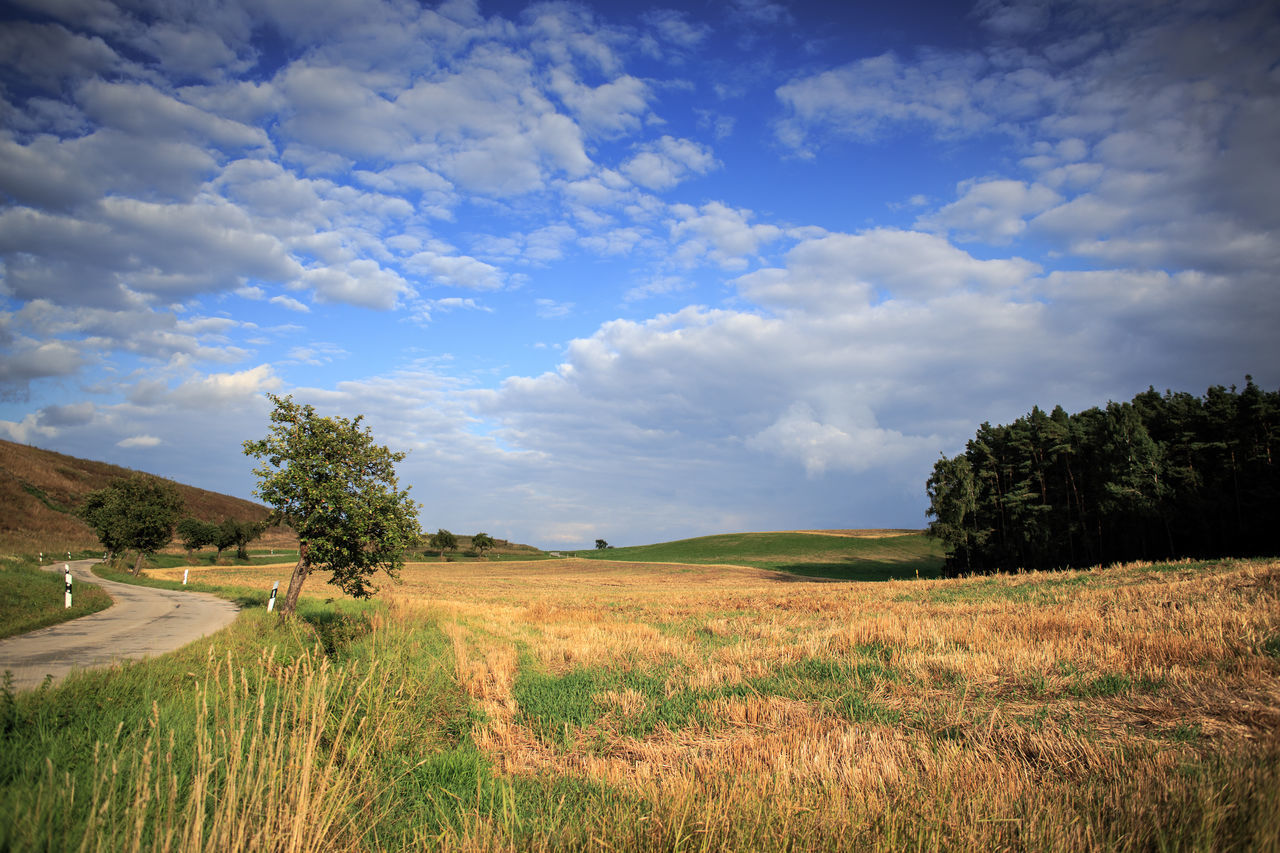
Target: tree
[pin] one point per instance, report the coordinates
(195, 534)
(442, 540)
(223, 537)
(482, 542)
(241, 533)
(138, 512)
(327, 479)
(601, 544)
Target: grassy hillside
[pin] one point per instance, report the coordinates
(503, 549)
(40, 491)
(847, 555)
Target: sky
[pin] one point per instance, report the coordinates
(627, 271)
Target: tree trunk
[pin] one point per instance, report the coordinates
(300, 572)
(137, 567)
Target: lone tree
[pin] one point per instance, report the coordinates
(327, 479)
(482, 542)
(442, 540)
(241, 533)
(195, 534)
(601, 544)
(139, 513)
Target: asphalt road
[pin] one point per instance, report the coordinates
(141, 623)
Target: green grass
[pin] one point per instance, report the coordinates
(32, 598)
(805, 554)
(561, 709)
(208, 558)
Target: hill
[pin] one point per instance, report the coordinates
(40, 491)
(842, 554)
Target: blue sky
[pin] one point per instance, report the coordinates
(627, 271)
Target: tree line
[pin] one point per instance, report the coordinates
(140, 513)
(1162, 476)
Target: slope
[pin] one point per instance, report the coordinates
(846, 555)
(40, 491)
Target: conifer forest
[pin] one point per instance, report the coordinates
(1163, 476)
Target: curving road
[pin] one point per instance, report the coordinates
(142, 622)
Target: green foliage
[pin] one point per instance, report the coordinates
(481, 543)
(442, 540)
(195, 534)
(240, 533)
(601, 545)
(338, 489)
(137, 513)
(1162, 476)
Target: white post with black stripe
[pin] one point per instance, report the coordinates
(271, 602)
(184, 576)
(67, 569)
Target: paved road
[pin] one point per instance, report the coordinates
(142, 622)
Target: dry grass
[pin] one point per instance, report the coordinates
(41, 489)
(1128, 707)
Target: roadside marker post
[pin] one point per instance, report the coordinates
(184, 576)
(271, 602)
(67, 569)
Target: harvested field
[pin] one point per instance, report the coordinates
(1125, 707)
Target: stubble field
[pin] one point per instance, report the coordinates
(589, 705)
(691, 707)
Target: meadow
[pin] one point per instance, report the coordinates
(614, 704)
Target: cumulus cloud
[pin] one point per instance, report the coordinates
(993, 211)
(139, 441)
(719, 233)
(665, 163)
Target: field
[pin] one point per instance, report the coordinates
(604, 705)
(843, 554)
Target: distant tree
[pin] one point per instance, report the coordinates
(601, 544)
(137, 513)
(241, 533)
(195, 534)
(338, 489)
(482, 542)
(442, 540)
(223, 537)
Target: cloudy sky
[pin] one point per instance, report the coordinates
(620, 270)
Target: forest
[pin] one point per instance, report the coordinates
(1162, 476)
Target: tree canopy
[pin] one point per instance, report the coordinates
(134, 513)
(329, 480)
(442, 540)
(481, 543)
(1161, 476)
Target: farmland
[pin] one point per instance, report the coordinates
(606, 704)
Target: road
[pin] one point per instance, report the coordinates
(141, 623)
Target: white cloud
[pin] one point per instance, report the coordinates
(456, 270)
(852, 272)
(290, 303)
(720, 233)
(993, 211)
(663, 164)
(139, 441)
(218, 390)
(856, 444)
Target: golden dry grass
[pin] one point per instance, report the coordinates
(1025, 712)
(40, 490)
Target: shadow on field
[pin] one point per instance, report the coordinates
(859, 570)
